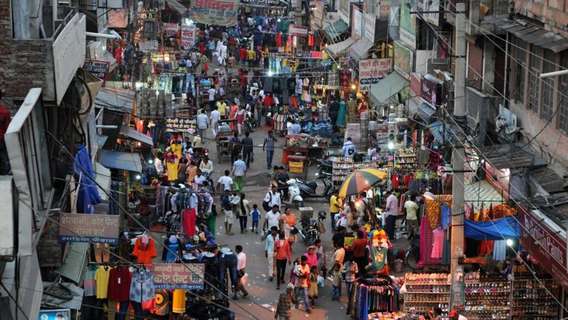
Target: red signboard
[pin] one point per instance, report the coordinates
(545, 245)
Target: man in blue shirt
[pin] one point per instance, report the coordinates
(239, 171)
(268, 146)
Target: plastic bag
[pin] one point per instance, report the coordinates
(321, 281)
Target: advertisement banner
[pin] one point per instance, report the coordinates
(407, 24)
(215, 12)
(544, 244)
(97, 68)
(170, 29)
(403, 58)
(369, 27)
(54, 314)
(81, 227)
(188, 276)
(372, 70)
(356, 24)
(188, 36)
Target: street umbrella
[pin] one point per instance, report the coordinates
(361, 180)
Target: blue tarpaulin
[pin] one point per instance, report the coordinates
(88, 195)
(504, 228)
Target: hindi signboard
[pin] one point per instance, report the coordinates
(188, 36)
(297, 30)
(188, 276)
(178, 124)
(170, 29)
(215, 12)
(372, 70)
(82, 227)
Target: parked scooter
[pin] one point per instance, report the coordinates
(294, 193)
(321, 187)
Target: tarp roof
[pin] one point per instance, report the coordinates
(339, 48)
(360, 49)
(131, 133)
(121, 160)
(532, 33)
(115, 99)
(392, 84)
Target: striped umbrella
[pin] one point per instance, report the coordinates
(361, 180)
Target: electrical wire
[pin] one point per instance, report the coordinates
(141, 225)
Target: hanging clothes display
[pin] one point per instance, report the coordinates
(142, 286)
(189, 217)
(373, 295)
(101, 278)
(437, 244)
(178, 301)
(119, 284)
(144, 250)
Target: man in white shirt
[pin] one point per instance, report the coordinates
(225, 181)
(348, 148)
(241, 265)
(272, 218)
(411, 208)
(215, 116)
(239, 171)
(158, 164)
(391, 213)
(273, 198)
(211, 93)
(202, 123)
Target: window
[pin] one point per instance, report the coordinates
(533, 80)
(563, 96)
(547, 108)
(425, 38)
(518, 74)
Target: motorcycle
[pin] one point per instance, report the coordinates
(311, 228)
(294, 193)
(250, 122)
(321, 187)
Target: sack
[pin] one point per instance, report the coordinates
(266, 204)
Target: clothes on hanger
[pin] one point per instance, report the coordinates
(119, 284)
(144, 249)
(101, 278)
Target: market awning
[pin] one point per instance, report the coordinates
(115, 99)
(75, 262)
(481, 194)
(339, 48)
(121, 160)
(533, 34)
(360, 49)
(500, 229)
(387, 87)
(335, 29)
(131, 133)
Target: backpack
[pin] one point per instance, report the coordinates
(266, 204)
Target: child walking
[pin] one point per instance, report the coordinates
(255, 218)
(313, 285)
(336, 285)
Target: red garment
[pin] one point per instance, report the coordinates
(279, 39)
(268, 101)
(201, 46)
(5, 118)
(294, 102)
(206, 67)
(118, 55)
(189, 216)
(358, 248)
(144, 254)
(243, 53)
(311, 40)
(395, 181)
(283, 251)
(119, 284)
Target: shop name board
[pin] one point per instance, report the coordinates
(296, 30)
(372, 70)
(171, 29)
(82, 227)
(187, 276)
(180, 124)
(188, 36)
(215, 12)
(548, 247)
(97, 68)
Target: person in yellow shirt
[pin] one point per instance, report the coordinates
(222, 108)
(334, 207)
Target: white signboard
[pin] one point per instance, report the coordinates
(372, 70)
(188, 36)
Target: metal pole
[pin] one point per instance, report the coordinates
(458, 159)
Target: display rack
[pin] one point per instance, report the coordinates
(532, 299)
(405, 158)
(342, 167)
(425, 291)
(487, 297)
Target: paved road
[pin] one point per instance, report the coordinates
(263, 294)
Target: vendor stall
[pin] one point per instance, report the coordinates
(303, 145)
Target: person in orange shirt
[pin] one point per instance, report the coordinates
(303, 282)
(282, 254)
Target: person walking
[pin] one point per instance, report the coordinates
(269, 251)
(239, 172)
(241, 266)
(303, 282)
(225, 182)
(202, 123)
(411, 208)
(255, 215)
(243, 213)
(248, 146)
(283, 256)
(272, 198)
(268, 146)
(334, 207)
(215, 117)
(284, 306)
(236, 147)
(229, 217)
(391, 213)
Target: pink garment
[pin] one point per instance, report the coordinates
(426, 240)
(312, 260)
(438, 245)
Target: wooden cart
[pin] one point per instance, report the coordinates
(223, 138)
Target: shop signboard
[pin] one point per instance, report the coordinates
(402, 59)
(372, 70)
(407, 24)
(416, 84)
(170, 29)
(188, 36)
(430, 91)
(369, 27)
(54, 314)
(97, 68)
(431, 6)
(297, 30)
(188, 276)
(357, 23)
(81, 227)
(546, 245)
(215, 12)
(178, 124)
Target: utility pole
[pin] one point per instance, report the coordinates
(458, 159)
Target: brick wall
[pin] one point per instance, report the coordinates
(24, 64)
